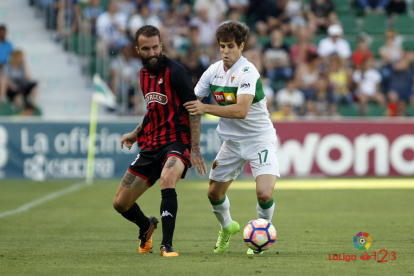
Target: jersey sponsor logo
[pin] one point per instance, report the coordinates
(233, 76)
(219, 97)
(155, 97)
(230, 98)
(218, 77)
(166, 214)
(245, 85)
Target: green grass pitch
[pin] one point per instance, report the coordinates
(81, 234)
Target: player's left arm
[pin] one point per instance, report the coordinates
(185, 91)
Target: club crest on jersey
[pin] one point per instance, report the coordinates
(155, 97)
(160, 81)
(233, 76)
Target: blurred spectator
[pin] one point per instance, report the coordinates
(378, 5)
(321, 15)
(299, 52)
(111, 29)
(182, 9)
(397, 7)
(292, 96)
(91, 13)
(338, 80)
(293, 12)
(193, 65)
(6, 48)
(127, 7)
(253, 53)
(206, 26)
(334, 43)
(320, 100)
(267, 14)
(142, 18)
(28, 110)
(276, 57)
(269, 93)
(390, 54)
(15, 81)
(402, 77)
(306, 74)
(67, 21)
(233, 15)
(240, 5)
(284, 113)
(158, 7)
(361, 52)
(392, 105)
(125, 74)
(367, 81)
(216, 9)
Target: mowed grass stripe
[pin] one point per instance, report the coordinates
(325, 184)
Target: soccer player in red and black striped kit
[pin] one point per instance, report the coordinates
(169, 139)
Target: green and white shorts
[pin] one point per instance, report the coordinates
(259, 151)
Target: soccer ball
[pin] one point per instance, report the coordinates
(259, 234)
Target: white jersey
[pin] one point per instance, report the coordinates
(241, 78)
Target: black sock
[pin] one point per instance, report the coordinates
(168, 211)
(135, 215)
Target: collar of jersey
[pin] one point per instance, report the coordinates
(234, 65)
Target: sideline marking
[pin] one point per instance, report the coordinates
(30, 205)
(326, 184)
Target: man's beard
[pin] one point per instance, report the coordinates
(152, 68)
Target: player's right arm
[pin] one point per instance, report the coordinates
(130, 138)
(202, 88)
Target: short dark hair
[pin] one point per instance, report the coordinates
(232, 31)
(147, 31)
(3, 27)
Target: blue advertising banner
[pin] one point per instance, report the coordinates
(41, 150)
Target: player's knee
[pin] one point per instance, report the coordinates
(264, 197)
(167, 181)
(119, 206)
(214, 196)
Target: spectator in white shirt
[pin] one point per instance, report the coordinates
(292, 96)
(216, 9)
(367, 81)
(141, 19)
(334, 44)
(206, 26)
(111, 29)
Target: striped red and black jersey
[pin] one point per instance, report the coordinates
(166, 120)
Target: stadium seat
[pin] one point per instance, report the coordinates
(408, 45)
(375, 110)
(290, 40)
(348, 111)
(349, 24)
(100, 66)
(404, 24)
(374, 24)
(81, 44)
(6, 109)
(341, 6)
(375, 45)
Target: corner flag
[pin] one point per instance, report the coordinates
(101, 94)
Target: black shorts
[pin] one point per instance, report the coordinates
(149, 163)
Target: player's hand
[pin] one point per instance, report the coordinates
(194, 107)
(128, 139)
(197, 161)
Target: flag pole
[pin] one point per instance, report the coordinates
(92, 140)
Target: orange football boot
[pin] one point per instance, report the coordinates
(168, 251)
(145, 244)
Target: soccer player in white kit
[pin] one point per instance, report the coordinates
(244, 126)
